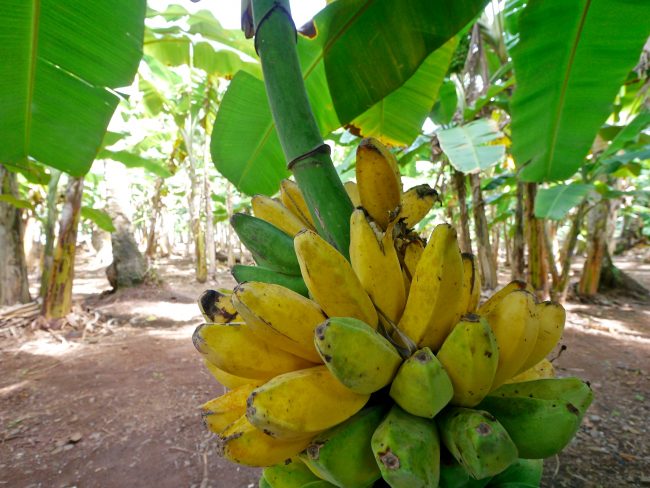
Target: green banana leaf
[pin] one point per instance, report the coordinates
(555, 202)
(100, 218)
(570, 61)
(131, 160)
(61, 62)
(470, 147)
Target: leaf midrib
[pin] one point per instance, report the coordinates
(31, 75)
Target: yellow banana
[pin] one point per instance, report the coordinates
(242, 443)
(471, 283)
(281, 317)
(302, 403)
(515, 324)
(277, 214)
(492, 302)
(222, 411)
(331, 281)
(470, 356)
(375, 262)
(412, 251)
(378, 180)
(237, 350)
(293, 199)
(416, 203)
(433, 306)
(228, 380)
(217, 308)
(543, 369)
(353, 192)
(551, 317)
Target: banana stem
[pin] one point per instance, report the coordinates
(307, 155)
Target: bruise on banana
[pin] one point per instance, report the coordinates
(216, 307)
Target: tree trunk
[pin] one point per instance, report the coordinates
(14, 287)
(484, 250)
(464, 239)
(537, 266)
(596, 247)
(156, 203)
(57, 301)
(517, 257)
(566, 256)
(210, 248)
(506, 244)
(550, 255)
(49, 228)
(196, 232)
(612, 278)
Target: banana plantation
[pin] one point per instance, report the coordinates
(324, 244)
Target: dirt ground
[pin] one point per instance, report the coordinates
(116, 405)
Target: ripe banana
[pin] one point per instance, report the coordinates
(301, 403)
(342, 455)
(422, 386)
(353, 192)
(356, 354)
(491, 302)
(543, 369)
(228, 380)
(331, 280)
(477, 440)
(293, 474)
(515, 324)
(433, 307)
(471, 283)
(412, 251)
(378, 180)
(237, 350)
(375, 262)
(217, 308)
(551, 318)
(541, 416)
(275, 213)
(242, 443)
(407, 450)
(270, 247)
(293, 199)
(280, 317)
(243, 273)
(470, 356)
(416, 204)
(222, 411)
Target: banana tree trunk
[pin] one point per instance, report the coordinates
(210, 248)
(537, 266)
(559, 292)
(484, 249)
(57, 301)
(596, 247)
(14, 287)
(48, 229)
(517, 257)
(464, 239)
(156, 204)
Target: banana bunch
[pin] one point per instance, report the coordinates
(344, 371)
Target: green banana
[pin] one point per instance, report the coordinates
(270, 247)
(293, 474)
(243, 273)
(407, 450)
(523, 473)
(319, 484)
(342, 455)
(263, 483)
(477, 441)
(356, 354)
(421, 386)
(541, 416)
(453, 475)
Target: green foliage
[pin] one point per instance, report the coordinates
(555, 202)
(469, 147)
(99, 218)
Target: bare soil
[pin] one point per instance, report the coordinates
(116, 405)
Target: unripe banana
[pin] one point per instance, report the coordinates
(477, 440)
(453, 475)
(331, 280)
(226, 379)
(243, 273)
(242, 443)
(433, 305)
(281, 317)
(222, 411)
(293, 474)
(470, 356)
(422, 386)
(471, 283)
(375, 262)
(302, 403)
(275, 213)
(217, 308)
(515, 324)
(353, 192)
(271, 247)
(523, 473)
(416, 204)
(356, 354)
(378, 180)
(551, 318)
(541, 416)
(293, 199)
(543, 369)
(237, 350)
(407, 450)
(342, 455)
(319, 484)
